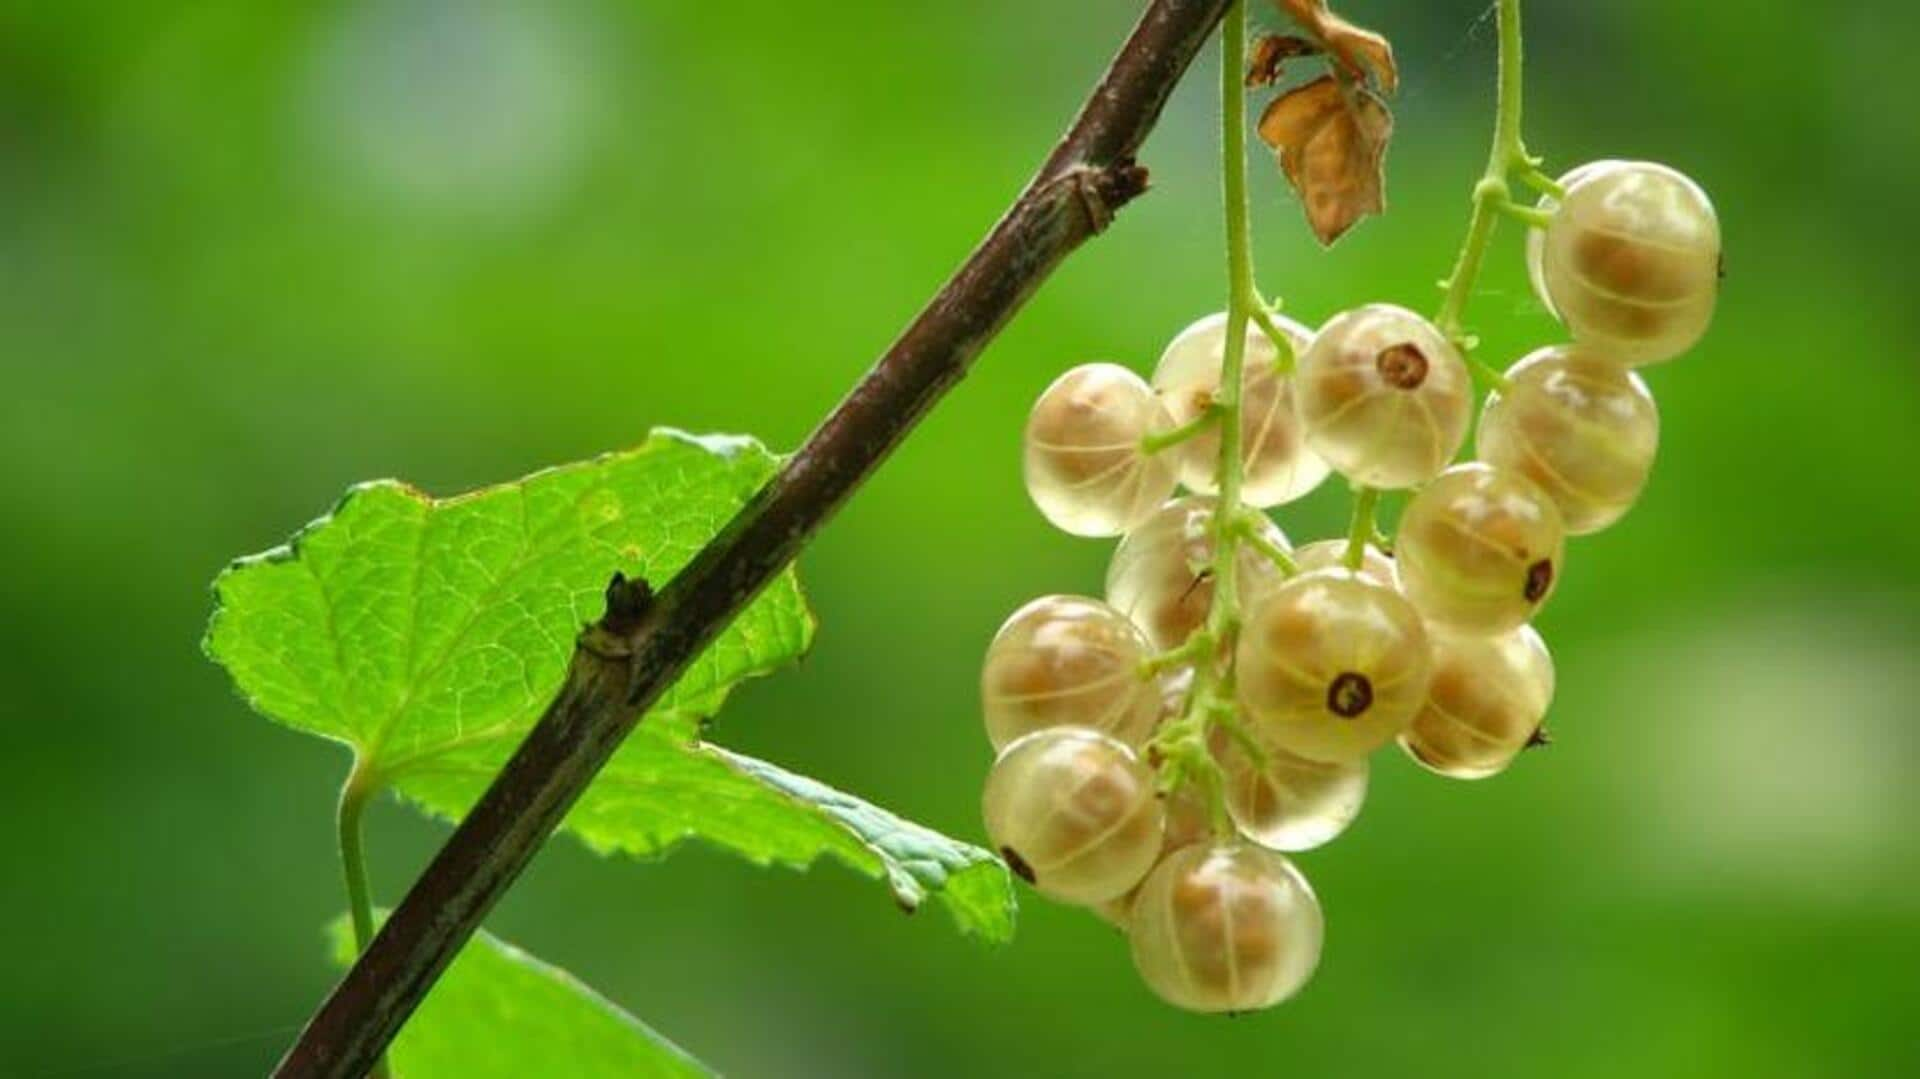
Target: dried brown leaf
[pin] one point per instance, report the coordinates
(1361, 52)
(1332, 143)
(1271, 52)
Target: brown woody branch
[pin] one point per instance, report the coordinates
(643, 642)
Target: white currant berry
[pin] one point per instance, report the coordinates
(1375, 564)
(1332, 665)
(1085, 466)
(1537, 235)
(1487, 700)
(1278, 467)
(1065, 661)
(1578, 424)
(1630, 260)
(1480, 549)
(1161, 573)
(1384, 396)
(1225, 928)
(1074, 812)
(1188, 821)
(1287, 802)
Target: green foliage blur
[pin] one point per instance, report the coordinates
(251, 253)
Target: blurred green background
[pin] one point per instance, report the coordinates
(251, 253)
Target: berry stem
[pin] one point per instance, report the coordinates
(1531, 216)
(1228, 719)
(359, 789)
(1273, 552)
(1184, 742)
(1365, 500)
(1486, 372)
(1191, 650)
(1156, 441)
(1283, 362)
(1507, 157)
(1541, 182)
(1241, 299)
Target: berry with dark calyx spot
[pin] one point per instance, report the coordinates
(1332, 665)
(1486, 703)
(1074, 812)
(1480, 549)
(1384, 396)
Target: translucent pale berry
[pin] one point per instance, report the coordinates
(1332, 554)
(1225, 928)
(1286, 802)
(1488, 698)
(1385, 398)
(1480, 549)
(1578, 424)
(1631, 260)
(1187, 822)
(1068, 661)
(1160, 575)
(1074, 812)
(1331, 665)
(1085, 467)
(1278, 467)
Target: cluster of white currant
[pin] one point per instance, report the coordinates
(1338, 647)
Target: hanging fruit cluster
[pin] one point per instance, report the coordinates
(1163, 748)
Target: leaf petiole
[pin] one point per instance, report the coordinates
(360, 788)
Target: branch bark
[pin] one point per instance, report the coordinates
(643, 642)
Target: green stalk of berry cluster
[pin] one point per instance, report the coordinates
(1183, 744)
(1493, 194)
(1223, 618)
(1507, 160)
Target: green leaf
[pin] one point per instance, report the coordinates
(498, 1011)
(428, 634)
